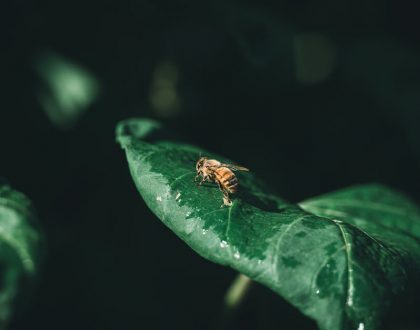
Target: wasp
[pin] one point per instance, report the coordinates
(214, 171)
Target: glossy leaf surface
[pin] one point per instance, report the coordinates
(341, 258)
(20, 249)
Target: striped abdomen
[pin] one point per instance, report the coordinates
(227, 179)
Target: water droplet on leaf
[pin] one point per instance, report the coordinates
(223, 244)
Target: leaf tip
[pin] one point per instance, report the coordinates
(137, 128)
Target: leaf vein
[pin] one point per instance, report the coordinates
(323, 264)
(366, 205)
(178, 178)
(344, 214)
(274, 264)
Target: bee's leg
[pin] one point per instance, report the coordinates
(226, 200)
(220, 187)
(204, 179)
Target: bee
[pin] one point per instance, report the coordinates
(214, 171)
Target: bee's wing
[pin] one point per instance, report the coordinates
(235, 167)
(214, 167)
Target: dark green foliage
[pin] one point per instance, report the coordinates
(341, 258)
(20, 248)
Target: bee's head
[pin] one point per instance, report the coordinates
(200, 163)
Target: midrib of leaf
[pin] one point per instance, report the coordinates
(228, 228)
(347, 249)
(228, 222)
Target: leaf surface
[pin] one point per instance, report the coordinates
(341, 258)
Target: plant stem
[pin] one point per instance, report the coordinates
(233, 298)
(237, 292)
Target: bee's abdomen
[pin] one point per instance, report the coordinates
(227, 179)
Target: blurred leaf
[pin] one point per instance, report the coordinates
(70, 89)
(341, 258)
(163, 97)
(20, 249)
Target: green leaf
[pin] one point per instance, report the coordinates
(341, 258)
(68, 90)
(20, 249)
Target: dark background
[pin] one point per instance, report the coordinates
(311, 95)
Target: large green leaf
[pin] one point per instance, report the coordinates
(20, 249)
(341, 259)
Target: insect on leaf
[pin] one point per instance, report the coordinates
(20, 250)
(341, 259)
